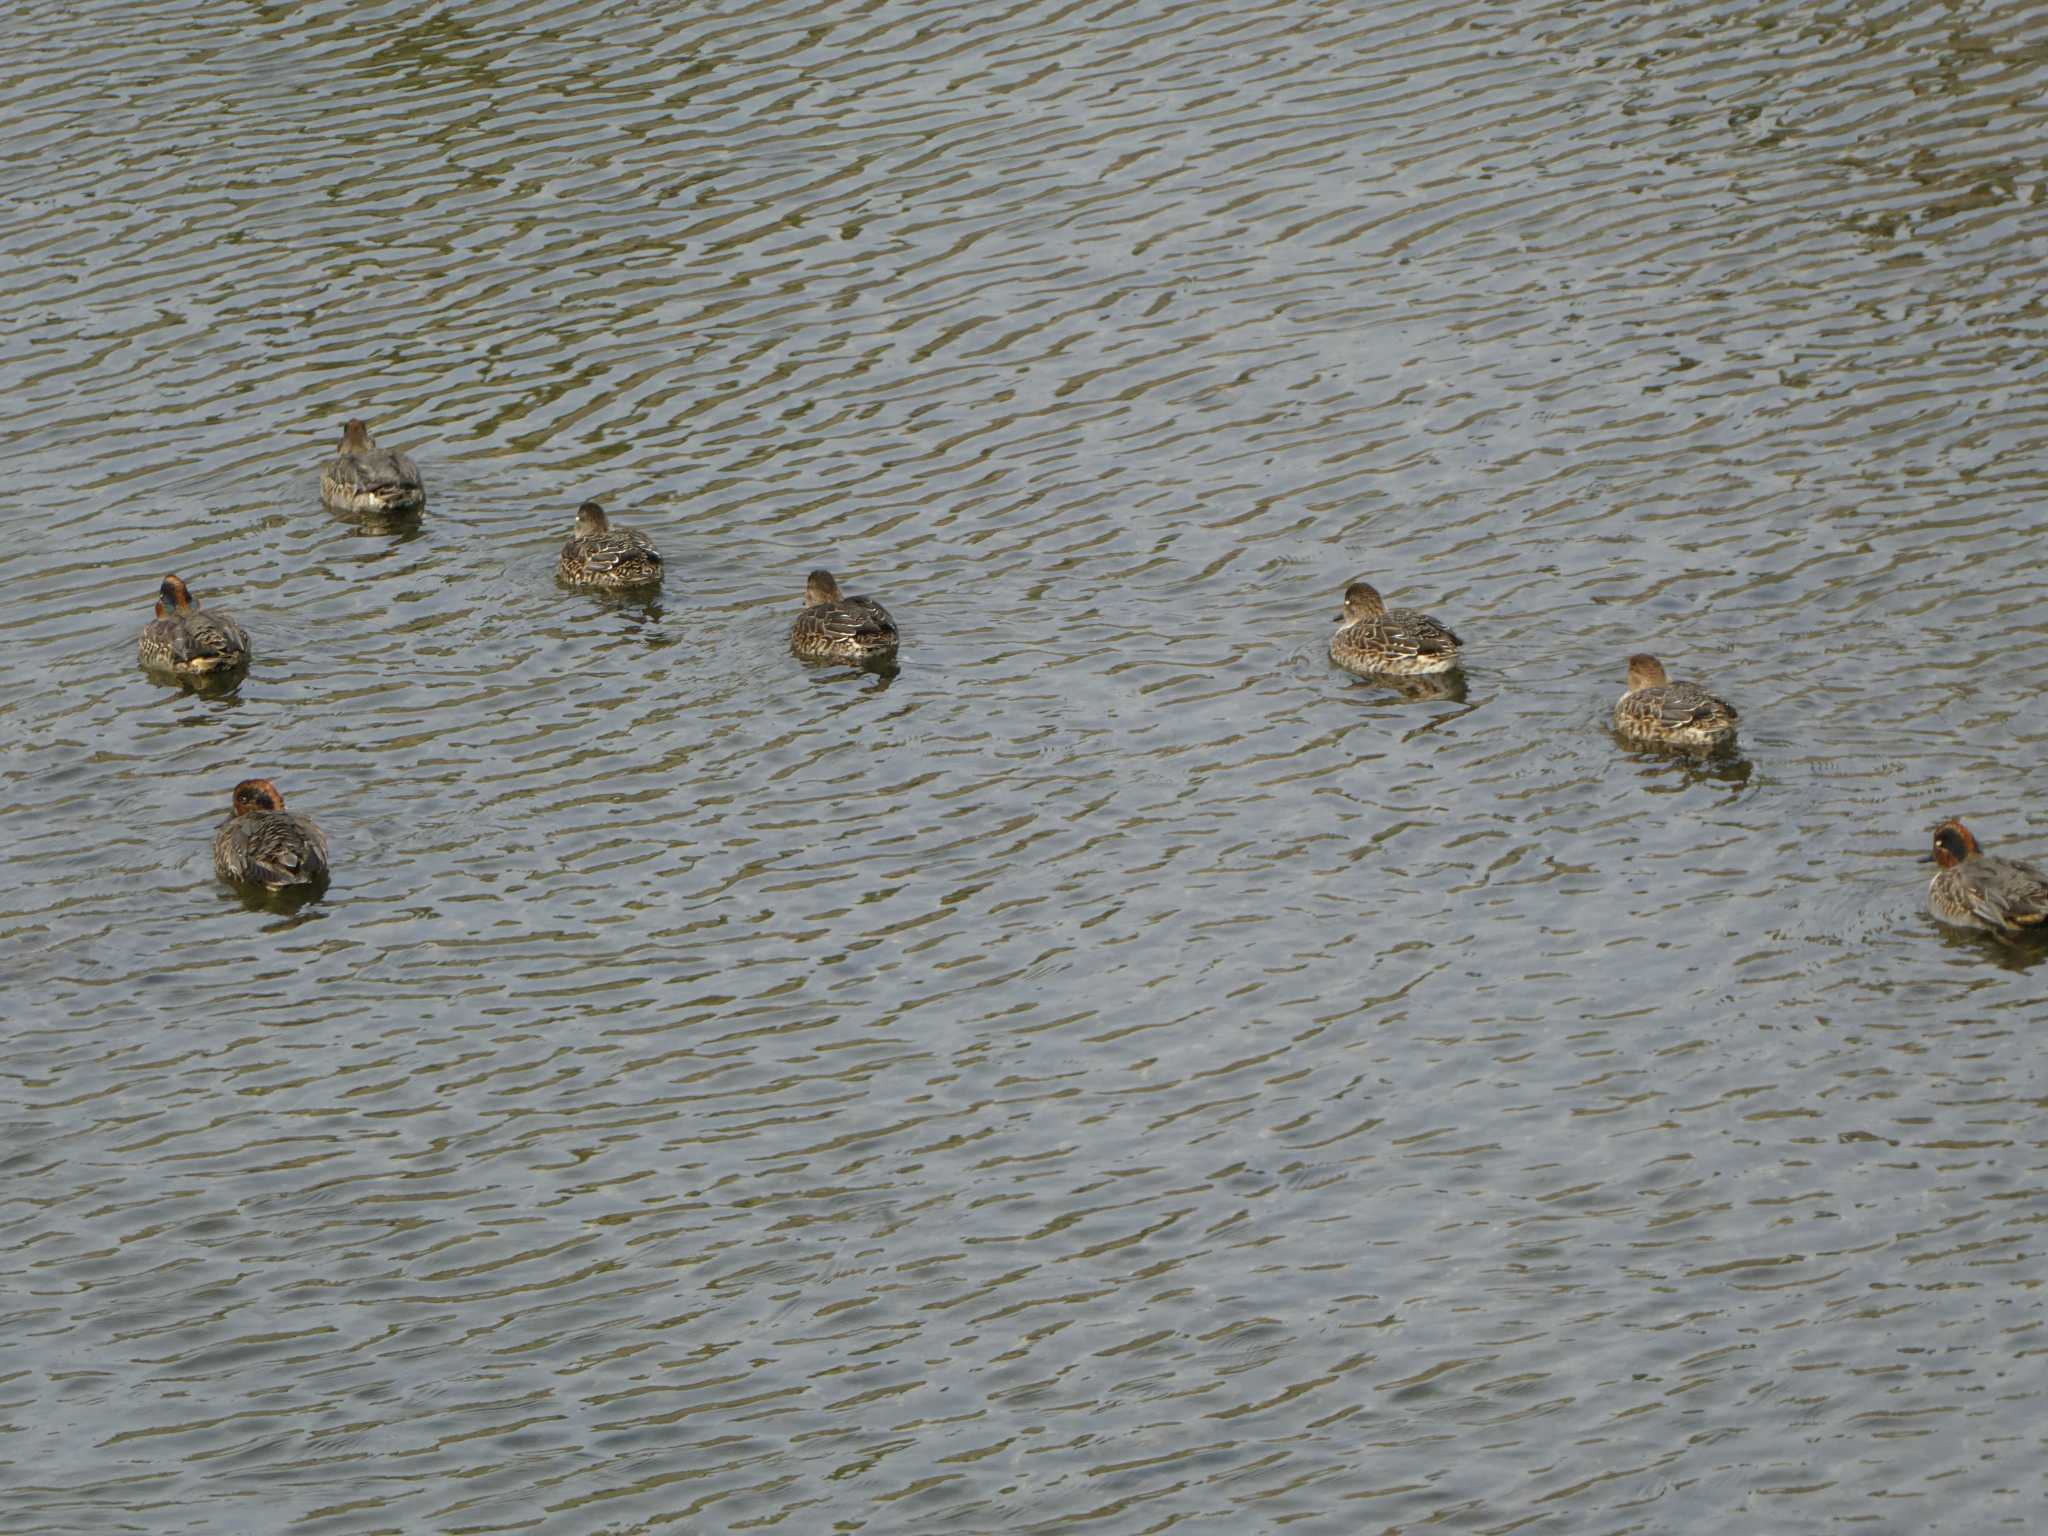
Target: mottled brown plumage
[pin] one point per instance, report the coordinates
(1671, 714)
(603, 556)
(188, 641)
(362, 477)
(263, 844)
(1374, 640)
(837, 628)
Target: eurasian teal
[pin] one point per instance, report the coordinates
(362, 477)
(1377, 641)
(1670, 714)
(603, 556)
(187, 641)
(1973, 890)
(262, 844)
(836, 628)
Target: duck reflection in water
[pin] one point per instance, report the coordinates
(639, 616)
(1683, 769)
(393, 528)
(1422, 687)
(879, 672)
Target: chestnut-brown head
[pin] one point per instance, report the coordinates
(355, 438)
(1953, 843)
(821, 587)
(1362, 601)
(1645, 672)
(590, 519)
(253, 795)
(175, 594)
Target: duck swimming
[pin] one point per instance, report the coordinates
(1375, 640)
(262, 844)
(603, 556)
(188, 641)
(1665, 713)
(361, 477)
(836, 628)
(1973, 890)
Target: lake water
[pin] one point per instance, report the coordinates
(1117, 1073)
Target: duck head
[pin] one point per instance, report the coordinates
(820, 587)
(1645, 672)
(253, 795)
(1362, 601)
(590, 519)
(1953, 843)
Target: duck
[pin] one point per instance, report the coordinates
(188, 641)
(362, 477)
(262, 844)
(1973, 890)
(837, 628)
(1665, 713)
(603, 556)
(1374, 640)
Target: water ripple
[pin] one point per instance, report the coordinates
(1112, 1069)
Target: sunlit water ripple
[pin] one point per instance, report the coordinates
(1115, 1073)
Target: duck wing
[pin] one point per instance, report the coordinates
(284, 849)
(1404, 632)
(2006, 893)
(612, 552)
(381, 469)
(205, 635)
(854, 618)
(1680, 704)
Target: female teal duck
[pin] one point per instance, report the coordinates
(1375, 640)
(603, 556)
(1670, 714)
(262, 844)
(1973, 890)
(836, 628)
(190, 642)
(362, 477)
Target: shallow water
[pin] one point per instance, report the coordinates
(1116, 1072)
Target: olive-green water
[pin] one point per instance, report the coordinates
(1116, 1074)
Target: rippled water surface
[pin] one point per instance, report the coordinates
(1115, 1073)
